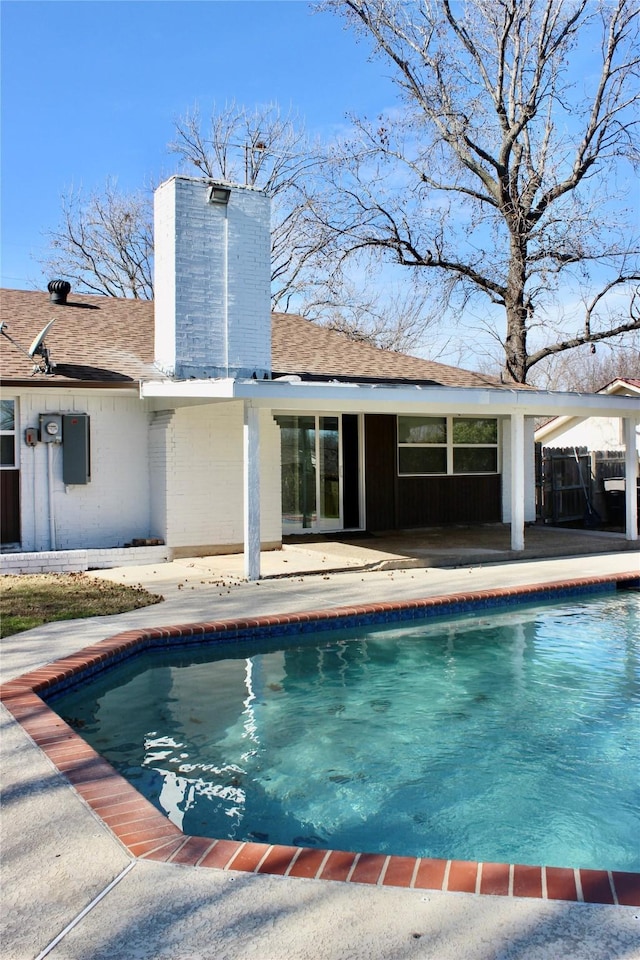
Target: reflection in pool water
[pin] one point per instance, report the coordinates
(509, 737)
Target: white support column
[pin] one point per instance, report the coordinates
(517, 481)
(251, 436)
(631, 475)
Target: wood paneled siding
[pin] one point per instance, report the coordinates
(401, 502)
(380, 471)
(429, 501)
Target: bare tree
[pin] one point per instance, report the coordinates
(589, 368)
(369, 307)
(104, 242)
(503, 174)
(266, 149)
(584, 371)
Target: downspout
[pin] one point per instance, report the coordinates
(251, 469)
(52, 519)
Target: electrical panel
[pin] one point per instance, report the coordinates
(76, 448)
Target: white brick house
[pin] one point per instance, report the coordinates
(205, 423)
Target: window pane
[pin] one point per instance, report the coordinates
(7, 415)
(475, 460)
(422, 460)
(7, 451)
(472, 430)
(422, 430)
(297, 438)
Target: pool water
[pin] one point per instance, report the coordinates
(506, 737)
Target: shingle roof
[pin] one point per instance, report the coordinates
(300, 346)
(94, 338)
(109, 340)
(622, 382)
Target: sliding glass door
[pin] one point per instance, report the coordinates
(311, 473)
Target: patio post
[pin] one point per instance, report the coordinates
(631, 474)
(251, 459)
(517, 480)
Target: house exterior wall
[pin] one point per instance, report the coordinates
(396, 502)
(529, 471)
(197, 479)
(110, 510)
(212, 281)
(175, 475)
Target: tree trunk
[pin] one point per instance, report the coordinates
(517, 315)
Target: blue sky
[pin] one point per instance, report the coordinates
(91, 89)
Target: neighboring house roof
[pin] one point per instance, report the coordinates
(555, 426)
(622, 385)
(109, 340)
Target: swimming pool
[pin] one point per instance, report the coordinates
(505, 736)
(148, 835)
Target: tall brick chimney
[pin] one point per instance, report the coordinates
(212, 279)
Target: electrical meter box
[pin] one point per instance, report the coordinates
(51, 428)
(76, 448)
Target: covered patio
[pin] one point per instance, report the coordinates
(515, 409)
(309, 560)
(457, 546)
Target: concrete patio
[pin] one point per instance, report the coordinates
(437, 548)
(70, 890)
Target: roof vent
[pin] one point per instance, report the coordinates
(59, 290)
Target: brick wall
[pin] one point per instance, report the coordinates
(212, 279)
(172, 475)
(111, 510)
(198, 453)
(77, 561)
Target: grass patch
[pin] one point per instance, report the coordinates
(29, 601)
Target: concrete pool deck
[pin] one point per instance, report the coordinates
(58, 858)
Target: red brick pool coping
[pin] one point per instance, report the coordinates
(148, 835)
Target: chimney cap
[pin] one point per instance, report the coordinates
(59, 290)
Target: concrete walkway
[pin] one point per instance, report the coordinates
(63, 872)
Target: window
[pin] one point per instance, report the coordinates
(422, 445)
(7, 433)
(444, 445)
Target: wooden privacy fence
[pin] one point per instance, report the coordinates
(570, 486)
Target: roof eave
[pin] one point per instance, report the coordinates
(364, 397)
(133, 386)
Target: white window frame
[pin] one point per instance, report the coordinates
(449, 445)
(12, 433)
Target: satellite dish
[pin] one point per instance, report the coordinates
(36, 346)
